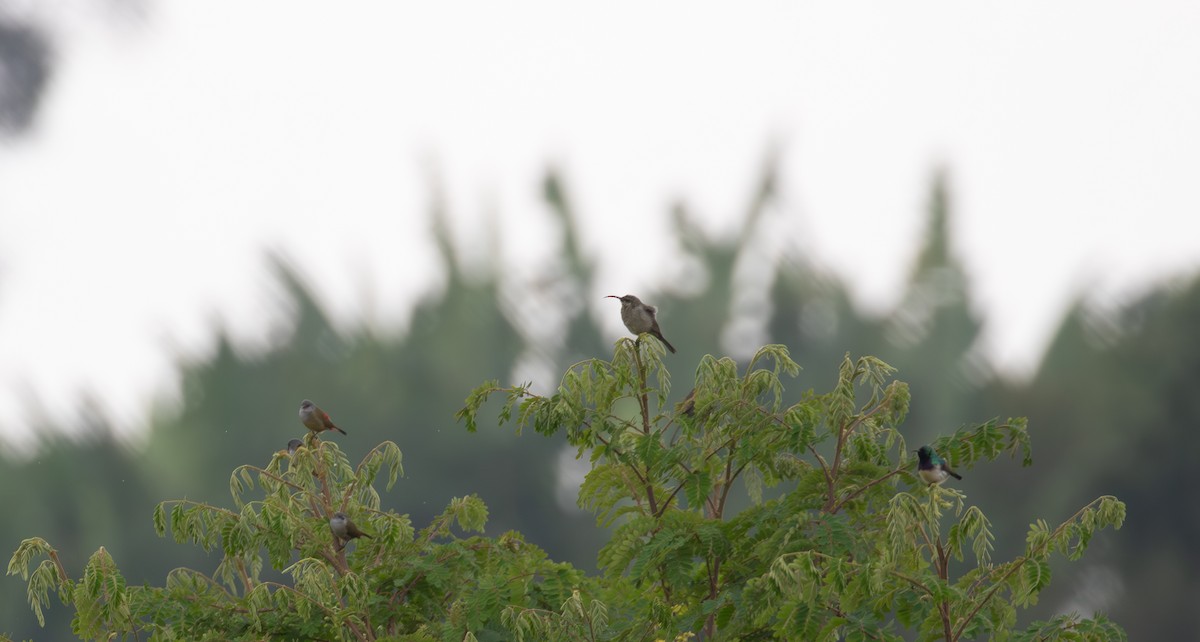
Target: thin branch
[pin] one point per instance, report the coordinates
(842, 614)
(666, 588)
(863, 489)
(283, 587)
(844, 433)
(824, 467)
(210, 507)
(1016, 565)
(925, 536)
(621, 456)
(728, 486)
(644, 402)
(947, 626)
(247, 584)
(916, 584)
(943, 562)
(666, 503)
(266, 473)
(62, 572)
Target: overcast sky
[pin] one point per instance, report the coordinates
(172, 154)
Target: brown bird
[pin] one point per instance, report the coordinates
(344, 530)
(687, 407)
(639, 317)
(315, 419)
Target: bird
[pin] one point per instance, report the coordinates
(344, 530)
(687, 407)
(315, 419)
(933, 469)
(639, 317)
(293, 445)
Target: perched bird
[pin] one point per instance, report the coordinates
(343, 529)
(292, 446)
(639, 317)
(315, 419)
(933, 469)
(687, 407)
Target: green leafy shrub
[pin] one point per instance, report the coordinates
(841, 541)
(856, 547)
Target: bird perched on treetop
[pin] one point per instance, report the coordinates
(933, 469)
(293, 444)
(639, 317)
(343, 529)
(315, 419)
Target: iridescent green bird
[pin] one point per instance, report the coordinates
(933, 469)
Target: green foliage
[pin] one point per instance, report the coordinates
(399, 583)
(851, 546)
(1105, 372)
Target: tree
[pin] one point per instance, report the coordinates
(854, 547)
(422, 585)
(843, 554)
(1137, 368)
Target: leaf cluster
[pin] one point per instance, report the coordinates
(839, 538)
(398, 583)
(851, 545)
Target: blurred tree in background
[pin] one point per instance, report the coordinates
(1112, 399)
(25, 60)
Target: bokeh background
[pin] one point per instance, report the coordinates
(209, 211)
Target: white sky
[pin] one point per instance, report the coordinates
(169, 158)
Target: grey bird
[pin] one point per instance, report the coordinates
(343, 529)
(292, 446)
(315, 419)
(639, 317)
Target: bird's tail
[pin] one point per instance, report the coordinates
(344, 432)
(660, 337)
(954, 474)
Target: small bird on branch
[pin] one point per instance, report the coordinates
(315, 419)
(639, 317)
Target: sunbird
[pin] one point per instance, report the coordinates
(639, 317)
(933, 469)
